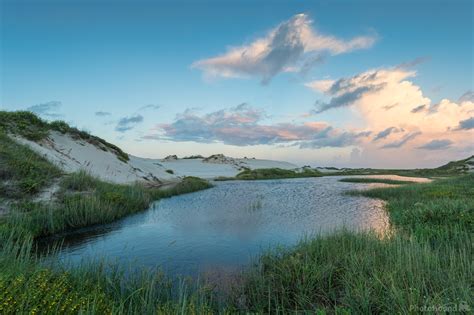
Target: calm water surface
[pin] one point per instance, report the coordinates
(226, 226)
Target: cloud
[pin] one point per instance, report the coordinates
(346, 99)
(414, 62)
(128, 123)
(337, 139)
(402, 141)
(467, 97)
(399, 104)
(419, 108)
(291, 46)
(242, 126)
(48, 109)
(385, 133)
(102, 114)
(150, 107)
(466, 124)
(437, 144)
(347, 91)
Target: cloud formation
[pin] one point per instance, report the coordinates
(128, 123)
(402, 141)
(48, 109)
(467, 97)
(385, 133)
(466, 124)
(149, 107)
(242, 126)
(437, 144)
(102, 114)
(292, 46)
(399, 114)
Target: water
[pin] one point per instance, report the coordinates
(227, 226)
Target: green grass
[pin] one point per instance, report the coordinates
(31, 127)
(374, 180)
(453, 168)
(426, 260)
(271, 173)
(22, 171)
(29, 285)
(84, 200)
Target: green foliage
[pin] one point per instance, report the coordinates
(25, 124)
(29, 285)
(23, 171)
(84, 200)
(374, 180)
(31, 127)
(170, 171)
(271, 173)
(360, 273)
(424, 261)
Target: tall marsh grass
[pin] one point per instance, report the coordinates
(84, 200)
(426, 260)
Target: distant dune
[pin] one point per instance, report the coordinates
(72, 154)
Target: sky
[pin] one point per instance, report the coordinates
(322, 83)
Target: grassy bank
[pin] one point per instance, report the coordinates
(425, 262)
(374, 180)
(271, 173)
(22, 171)
(31, 285)
(84, 200)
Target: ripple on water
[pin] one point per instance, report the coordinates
(228, 225)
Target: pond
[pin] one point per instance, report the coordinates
(225, 227)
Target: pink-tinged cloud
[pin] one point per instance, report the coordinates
(242, 126)
(400, 115)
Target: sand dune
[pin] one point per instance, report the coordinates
(72, 154)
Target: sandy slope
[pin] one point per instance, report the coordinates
(72, 155)
(200, 168)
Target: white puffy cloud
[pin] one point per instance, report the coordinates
(292, 46)
(401, 117)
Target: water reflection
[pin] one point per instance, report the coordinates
(226, 226)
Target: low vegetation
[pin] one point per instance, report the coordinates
(374, 180)
(31, 127)
(271, 173)
(454, 168)
(84, 200)
(28, 284)
(22, 171)
(424, 262)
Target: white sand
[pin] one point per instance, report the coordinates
(199, 168)
(72, 155)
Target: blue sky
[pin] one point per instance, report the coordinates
(80, 57)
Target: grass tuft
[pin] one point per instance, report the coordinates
(374, 180)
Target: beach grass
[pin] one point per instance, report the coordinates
(422, 263)
(84, 200)
(32, 127)
(366, 180)
(271, 173)
(22, 171)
